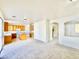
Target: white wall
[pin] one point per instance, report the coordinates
(41, 30)
(16, 22)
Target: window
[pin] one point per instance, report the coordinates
(77, 28)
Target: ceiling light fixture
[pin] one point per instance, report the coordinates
(72, 0)
(25, 19)
(14, 16)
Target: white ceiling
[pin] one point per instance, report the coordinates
(38, 9)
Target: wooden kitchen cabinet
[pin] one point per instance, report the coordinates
(5, 26)
(7, 39)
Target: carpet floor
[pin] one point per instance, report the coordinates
(32, 49)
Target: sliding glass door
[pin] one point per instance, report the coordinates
(1, 34)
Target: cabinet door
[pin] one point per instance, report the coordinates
(5, 26)
(7, 39)
(1, 34)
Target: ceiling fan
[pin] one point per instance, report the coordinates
(72, 0)
(72, 3)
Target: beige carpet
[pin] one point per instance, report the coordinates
(39, 50)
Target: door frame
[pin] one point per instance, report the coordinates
(2, 34)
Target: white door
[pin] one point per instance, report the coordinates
(1, 34)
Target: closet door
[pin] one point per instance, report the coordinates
(1, 34)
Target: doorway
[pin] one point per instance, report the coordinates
(54, 31)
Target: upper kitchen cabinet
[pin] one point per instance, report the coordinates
(6, 26)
